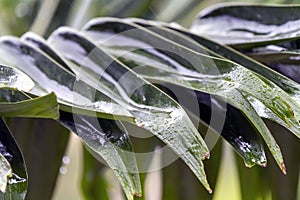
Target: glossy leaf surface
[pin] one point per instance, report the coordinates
(278, 57)
(210, 74)
(108, 141)
(266, 74)
(15, 102)
(246, 25)
(153, 110)
(38, 107)
(5, 173)
(42, 67)
(222, 118)
(13, 164)
(49, 76)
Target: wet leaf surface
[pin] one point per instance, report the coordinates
(246, 25)
(5, 173)
(290, 87)
(153, 110)
(15, 102)
(43, 67)
(103, 72)
(50, 76)
(13, 165)
(107, 140)
(201, 72)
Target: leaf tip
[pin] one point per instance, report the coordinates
(207, 155)
(263, 164)
(283, 168)
(138, 195)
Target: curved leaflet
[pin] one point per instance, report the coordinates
(248, 25)
(53, 77)
(152, 109)
(16, 179)
(203, 73)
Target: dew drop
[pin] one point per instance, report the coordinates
(66, 160)
(63, 170)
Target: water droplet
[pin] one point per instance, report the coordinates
(16, 179)
(66, 160)
(63, 170)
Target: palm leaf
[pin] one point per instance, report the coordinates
(152, 109)
(106, 139)
(14, 102)
(207, 79)
(267, 75)
(5, 173)
(248, 25)
(13, 171)
(282, 57)
(86, 125)
(49, 76)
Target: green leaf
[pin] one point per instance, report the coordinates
(13, 170)
(13, 78)
(248, 25)
(242, 136)
(41, 44)
(39, 107)
(279, 58)
(5, 173)
(203, 73)
(41, 67)
(217, 49)
(283, 82)
(73, 96)
(107, 140)
(291, 90)
(14, 102)
(152, 109)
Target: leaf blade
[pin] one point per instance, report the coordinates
(107, 140)
(17, 182)
(50, 76)
(14, 102)
(192, 81)
(246, 25)
(155, 101)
